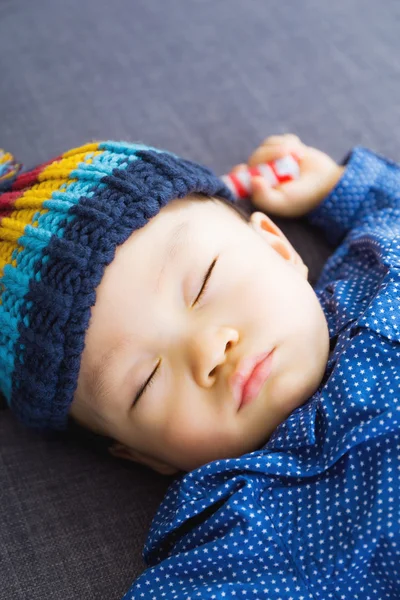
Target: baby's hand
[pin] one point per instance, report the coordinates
(318, 176)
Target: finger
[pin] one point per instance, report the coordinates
(278, 139)
(292, 199)
(298, 197)
(265, 197)
(239, 167)
(268, 153)
(273, 152)
(293, 138)
(273, 139)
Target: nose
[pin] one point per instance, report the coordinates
(209, 351)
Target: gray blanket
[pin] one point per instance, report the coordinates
(206, 79)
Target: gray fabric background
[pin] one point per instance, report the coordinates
(206, 79)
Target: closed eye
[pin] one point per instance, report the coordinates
(147, 384)
(206, 281)
(204, 287)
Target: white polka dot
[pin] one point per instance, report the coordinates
(315, 513)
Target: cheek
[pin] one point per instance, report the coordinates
(280, 293)
(195, 431)
(257, 297)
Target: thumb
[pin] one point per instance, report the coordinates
(266, 197)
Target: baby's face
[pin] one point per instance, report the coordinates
(146, 318)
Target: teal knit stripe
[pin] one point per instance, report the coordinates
(15, 281)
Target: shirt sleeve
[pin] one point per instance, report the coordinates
(368, 189)
(230, 549)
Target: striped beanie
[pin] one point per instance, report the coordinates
(60, 225)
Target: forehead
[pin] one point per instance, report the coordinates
(195, 205)
(129, 282)
(203, 213)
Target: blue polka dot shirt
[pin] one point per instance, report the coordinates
(315, 513)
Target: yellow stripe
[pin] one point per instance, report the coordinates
(92, 147)
(51, 179)
(5, 157)
(61, 169)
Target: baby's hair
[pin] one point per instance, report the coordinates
(99, 442)
(238, 208)
(95, 441)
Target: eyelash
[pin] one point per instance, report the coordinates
(205, 282)
(204, 288)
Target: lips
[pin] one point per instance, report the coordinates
(250, 376)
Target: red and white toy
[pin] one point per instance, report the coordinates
(275, 172)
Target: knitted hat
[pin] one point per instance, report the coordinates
(60, 225)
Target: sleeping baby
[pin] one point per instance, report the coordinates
(139, 301)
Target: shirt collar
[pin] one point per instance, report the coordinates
(299, 428)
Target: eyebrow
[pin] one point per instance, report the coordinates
(96, 382)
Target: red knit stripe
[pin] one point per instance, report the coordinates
(7, 202)
(22, 182)
(31, 177)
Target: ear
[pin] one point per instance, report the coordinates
(121, 451)
(271, 233)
